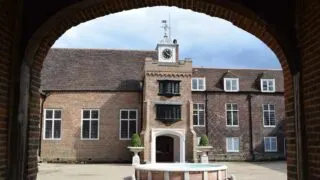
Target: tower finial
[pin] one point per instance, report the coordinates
(166, 36)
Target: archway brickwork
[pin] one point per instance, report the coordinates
(308, 44)
(243, 19)
(6, 58)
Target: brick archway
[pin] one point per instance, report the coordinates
(75, 14)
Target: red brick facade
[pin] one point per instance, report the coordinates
(217, 129)
(108, 147)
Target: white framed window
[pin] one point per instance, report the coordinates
(90, 124)
(232, 114)
(232, 144)
(198, 114)
(52, 124)
(270, 144)
(128, 123)
(198, 84)
(231, 84)
(267, 85)
(269, 119)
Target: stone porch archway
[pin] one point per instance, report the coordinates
(180, 133)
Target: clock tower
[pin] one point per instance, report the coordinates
(167, 49)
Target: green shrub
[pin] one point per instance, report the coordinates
(135, 140)
(204, 141)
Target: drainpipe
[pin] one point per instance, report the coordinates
(141, 105)
(206, 111)
(43, 96)
(250, 126)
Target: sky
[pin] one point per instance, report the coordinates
(208, 41)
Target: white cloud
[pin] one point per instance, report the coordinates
(197, 34)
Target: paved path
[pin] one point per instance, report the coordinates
(242, 171)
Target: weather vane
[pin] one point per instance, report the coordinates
(165, 27)
(167, 31)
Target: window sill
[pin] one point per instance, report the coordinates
(270, 151)
(89, 139)
(197, 89)
(273, 126)
(232, 151)
(231, 90)
(268, 91)
(199, 125)
(51, 139)
(236, 126)
(125, 139)
(168, 95)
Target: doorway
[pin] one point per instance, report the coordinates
(164, 149)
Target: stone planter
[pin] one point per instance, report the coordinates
(204, 150)
(135, 158)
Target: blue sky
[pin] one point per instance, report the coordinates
(209, 41)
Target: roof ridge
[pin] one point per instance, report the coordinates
(237, 68)
(100, 49)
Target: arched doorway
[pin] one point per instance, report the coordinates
(165, 149)
(168, 145)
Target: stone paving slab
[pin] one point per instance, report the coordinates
(242, 171)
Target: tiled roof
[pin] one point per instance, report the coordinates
(122, 70)
(249, 79)
(93, 69)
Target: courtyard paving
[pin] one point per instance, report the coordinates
(242, 171)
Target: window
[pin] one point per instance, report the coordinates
(169, 87)
(198, 114)
(270, 144)
(90, 124)
(52, 124)
(269, 115)
(268, 85)
(231, 84)
(232, 144)
(198, 84)
(128, 123)
(232, 114)
(168, 113)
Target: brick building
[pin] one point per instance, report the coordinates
(93, 100)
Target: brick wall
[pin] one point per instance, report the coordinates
(308, 16)
(108, 148)
(218, 131)
(6, 41)
(259, 131)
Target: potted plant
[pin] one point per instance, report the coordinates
(204, 147)
(135, 147)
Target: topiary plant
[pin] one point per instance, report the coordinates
(135, 140)
(204, 141)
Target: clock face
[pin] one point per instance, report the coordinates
(167, 53)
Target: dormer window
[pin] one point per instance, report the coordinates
(268, 85)
(198, 84)
(231, 84)
(169, 88)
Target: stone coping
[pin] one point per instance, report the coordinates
(181, 167)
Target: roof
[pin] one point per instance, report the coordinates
(249, 79)
(122, 70)
(93, 69)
